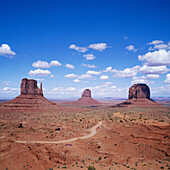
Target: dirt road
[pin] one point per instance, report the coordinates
(92, 133)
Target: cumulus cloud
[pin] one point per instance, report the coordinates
(70, 66)
(89, 66)
(77, 48)
(5, 50)
(103, 90)
(76, 80)
(39, 72)
(162, 90)
(89, 56)
(95, 46)
(52, 76)
(44, 64)
(131, 48)
(142, 79)
(156, 58)
(93, 72)
(167, 80)
(62, 90)
(104, 77)
(85, 76)
(155, 42)
(55, 63)
(41, 64)
(126, 73)
(152, 76)
(153, 70)
(161, 46)
(9, 90)
(108, 69)
(98, 46)
(70, 76)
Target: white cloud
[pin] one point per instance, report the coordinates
(167, 80)
(161, 46)
(77, 48)
(5, 50)
(126, 73)
(142, 79)
(52, 76)
(76, 80)
(98, 46)
(55, 63)
(152, 76)
(108, 69)
(162, 90)
(109, 91)
(70, 66)
(39, 72)
(104, 77)
(62, 90)
(156, 58)
(70, 76)
(41, 79)
(9, 90)
(93, 72)
(89, 66)
(131, 48)
(89, 56)
(85, 76)
(156, 42)
(153, 70)
(107, 83)
(41, 64)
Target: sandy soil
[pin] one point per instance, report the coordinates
(129, 138)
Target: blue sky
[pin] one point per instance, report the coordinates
(70, 45)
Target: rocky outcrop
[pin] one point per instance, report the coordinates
(139, 96)
(30, 100)
(138, 91)
(29, 87)
(86, 99)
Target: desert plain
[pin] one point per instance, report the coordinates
(127, 138)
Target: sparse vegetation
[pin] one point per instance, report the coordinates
(91, 167)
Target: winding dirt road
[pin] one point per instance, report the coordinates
(92, 133)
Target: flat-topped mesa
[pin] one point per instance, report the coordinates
(86, 93)
(29, 87)
(139, 91)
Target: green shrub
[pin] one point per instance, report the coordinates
(91, 167)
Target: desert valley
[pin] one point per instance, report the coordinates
(85, 84)
(39, 134)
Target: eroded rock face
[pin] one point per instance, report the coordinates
(86, 93)
(139, 91)
(29, 87)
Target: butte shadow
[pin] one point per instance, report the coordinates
(30, 100)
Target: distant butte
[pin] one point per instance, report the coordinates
(30, 100)
(85, 99)
(139, 95)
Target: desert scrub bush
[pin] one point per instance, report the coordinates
(91, 167)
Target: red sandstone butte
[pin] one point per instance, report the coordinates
(30, 100)
(139, 96)
(86, 99)
(29, 87)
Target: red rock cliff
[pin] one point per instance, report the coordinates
(139, 91)
(29, 87)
